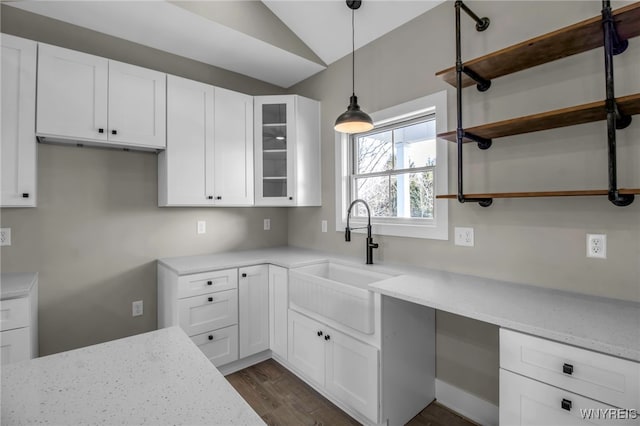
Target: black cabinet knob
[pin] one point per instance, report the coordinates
(211, 337)
(244, 275)
(567, 369)
(209, 282)
(25, 195)
(210, 299)
(291, 198)
(566, 404)
(100, 130)
(218, 198)
(327, 337)
(210, 197)
(319, 333)
(114, 132)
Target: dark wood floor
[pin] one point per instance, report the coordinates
(280, 398)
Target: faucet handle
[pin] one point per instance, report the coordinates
(373, 245)
(347, 234)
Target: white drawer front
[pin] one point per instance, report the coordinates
(220, 346)
(14, 313)
(15, 345)
(527, 402)
(604, 378)
(211, 311)
(207, 282)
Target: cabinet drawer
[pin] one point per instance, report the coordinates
(207, 282)
(220, 346)
(211, 311)
(604, 378)
(14, 313)
(15, 345)
(527, 402)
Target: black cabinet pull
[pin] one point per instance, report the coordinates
(25, 195)
(209, 282)
(210, 197)
(210, 299)
(566, 404)
(319, 333)
(101, 130)
(327, 337)
(114, 132)
(244, 275)
(567, 369)
(218, 198)
(291, 198)
(211, 337)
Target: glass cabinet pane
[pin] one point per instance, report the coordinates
(274, 150)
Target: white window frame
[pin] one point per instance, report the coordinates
(438, 228)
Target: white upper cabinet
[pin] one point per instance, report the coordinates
(209, 155)
(185, 168)
(18, 144)
(233, 148)
(91, 99)
(287, 151)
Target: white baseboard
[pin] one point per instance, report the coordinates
(466, 404)
(243, 363)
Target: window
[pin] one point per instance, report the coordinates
(397, 168)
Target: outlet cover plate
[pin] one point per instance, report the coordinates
(267, 224)
(463, 236)
(597, 246)
(202, 227)
(324, 225)
(5, 236)
(137, 308)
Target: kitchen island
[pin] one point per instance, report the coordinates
(156, 378)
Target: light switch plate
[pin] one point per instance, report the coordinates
(202, 227)
(324, 226)
(5, 236)
(267, 224)
(463, 236)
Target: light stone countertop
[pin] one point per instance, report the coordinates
(605, 325)
(156, 378)
(16, 284)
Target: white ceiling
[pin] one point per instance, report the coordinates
(323, 25)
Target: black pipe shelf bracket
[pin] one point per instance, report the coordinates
(481, 25)
(613, 45)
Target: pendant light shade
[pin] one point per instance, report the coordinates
(353, 120)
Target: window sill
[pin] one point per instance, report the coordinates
(431, 231)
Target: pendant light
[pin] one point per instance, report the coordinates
(353, 120)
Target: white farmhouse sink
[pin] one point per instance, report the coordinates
(336, 291)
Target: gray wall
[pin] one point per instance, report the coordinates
(528, 241)
(97, 230)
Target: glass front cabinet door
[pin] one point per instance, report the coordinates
(275, 144)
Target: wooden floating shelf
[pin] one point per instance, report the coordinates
(541, 194)
(567, 41)
(594, 111)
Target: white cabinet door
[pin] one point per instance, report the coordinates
(352, 373)
(18, 143)
(233, 148)
(185, 175)
(275, 150)
(15, 345)
(72, 94)
(307, 346)
(137, 106)
(253, 288)
(527, 402)
(278, 309)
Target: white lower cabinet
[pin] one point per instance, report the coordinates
(549, 383)
(253, 287)
(18, 317)
(278, 309)
(220, 346)
(345, 367)
(210, 311)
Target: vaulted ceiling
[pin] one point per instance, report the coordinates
(281, 42)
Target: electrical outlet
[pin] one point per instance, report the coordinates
(324, 226)
(202, 227)
(136, 308)
(5, 236)
(463, 236)
(267, 224)
(597, 246)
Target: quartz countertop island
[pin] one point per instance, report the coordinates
(156, 378)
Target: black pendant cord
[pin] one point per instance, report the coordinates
(484, 202)
(612, 45)
(353, 53)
